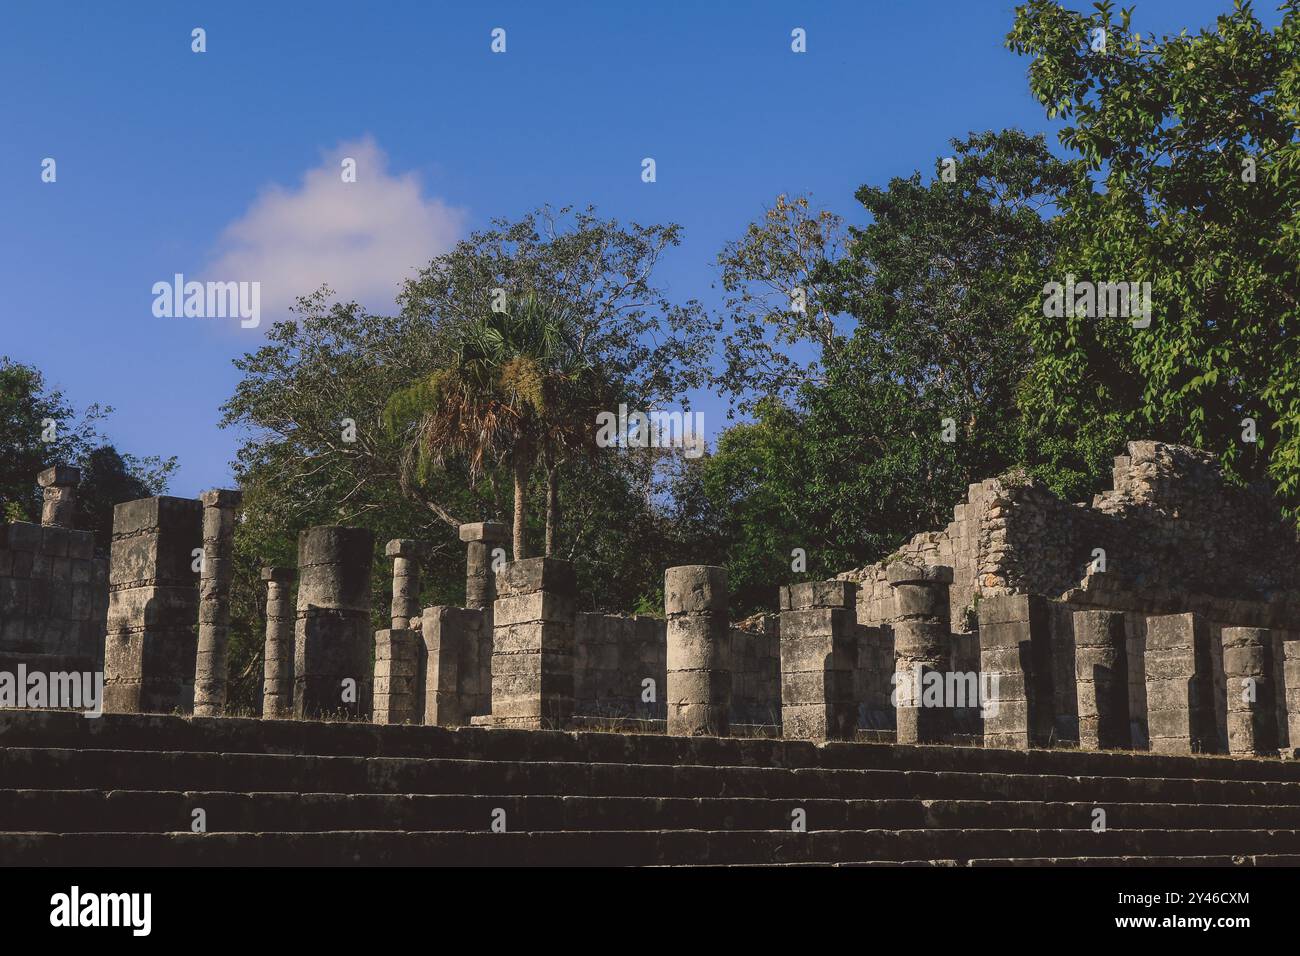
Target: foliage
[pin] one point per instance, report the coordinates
(855, 460)
(1186, 179)
(39, 428)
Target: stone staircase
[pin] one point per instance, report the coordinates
(123, 790)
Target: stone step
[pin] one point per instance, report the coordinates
(1239, 860)
(34, 768)
(164, 811)
(1251, 859)
(613, 848)
(326, 738)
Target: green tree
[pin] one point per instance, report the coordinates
(656, 348)
(39, 428)
(516, 388)
(775, 280)
(1186, 178)
(908, 391)
(107, 479)
(311, 404)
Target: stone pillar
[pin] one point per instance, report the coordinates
(277, 686)
(406, 555)
(458, 672)
(819, 651)
(397, 670)
(532, 644)
(921, 646)
(214, 601)
(1289, 694)
(332, 674)
(1015, 670)
(1180, 709)
(1248, 668)
(699, 651)
(153, 603)
(59, 490)
(1101, 680)
(480, 538)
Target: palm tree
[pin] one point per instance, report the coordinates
(515, 387)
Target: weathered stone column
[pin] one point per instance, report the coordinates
(1289, 694)
(406, 555)
(153, 603)
(1101, 680)
(699, 651)
(332, 674)
(1180, 710)
(481, 537)
(458, 669)
(215, 575)
(1015, 667)
(921, 647)
(532, 644)
(59, 492)
(397, 671)
(1248, 668)
(819, 650)
(277, 686)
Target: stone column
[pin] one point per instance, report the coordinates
(819, 651)
(153, 603)
(59, 491)
(1015, 670)
(277, 687)
(1289, 693)
(1101, 680)
(532, 644)
(214, 601)
(699, 651)
(406, 555)
(1180, 710)
(458, 672)
(921, 646)
(397, 669)
(332, 675)
(481, 538)
(1247, 668)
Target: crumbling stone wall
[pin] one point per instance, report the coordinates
(1169, 537)
(1170, 523)
(957, 546)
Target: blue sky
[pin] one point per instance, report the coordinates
(171, 161)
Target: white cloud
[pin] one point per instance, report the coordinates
(361, 238)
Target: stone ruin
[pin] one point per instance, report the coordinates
(1162, 616)
(53, 590)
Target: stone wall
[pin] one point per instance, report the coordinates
(1110, 591)
(1170, 553)
(1169, 523)
(53, 599)
(756, 671)
(613, 656)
